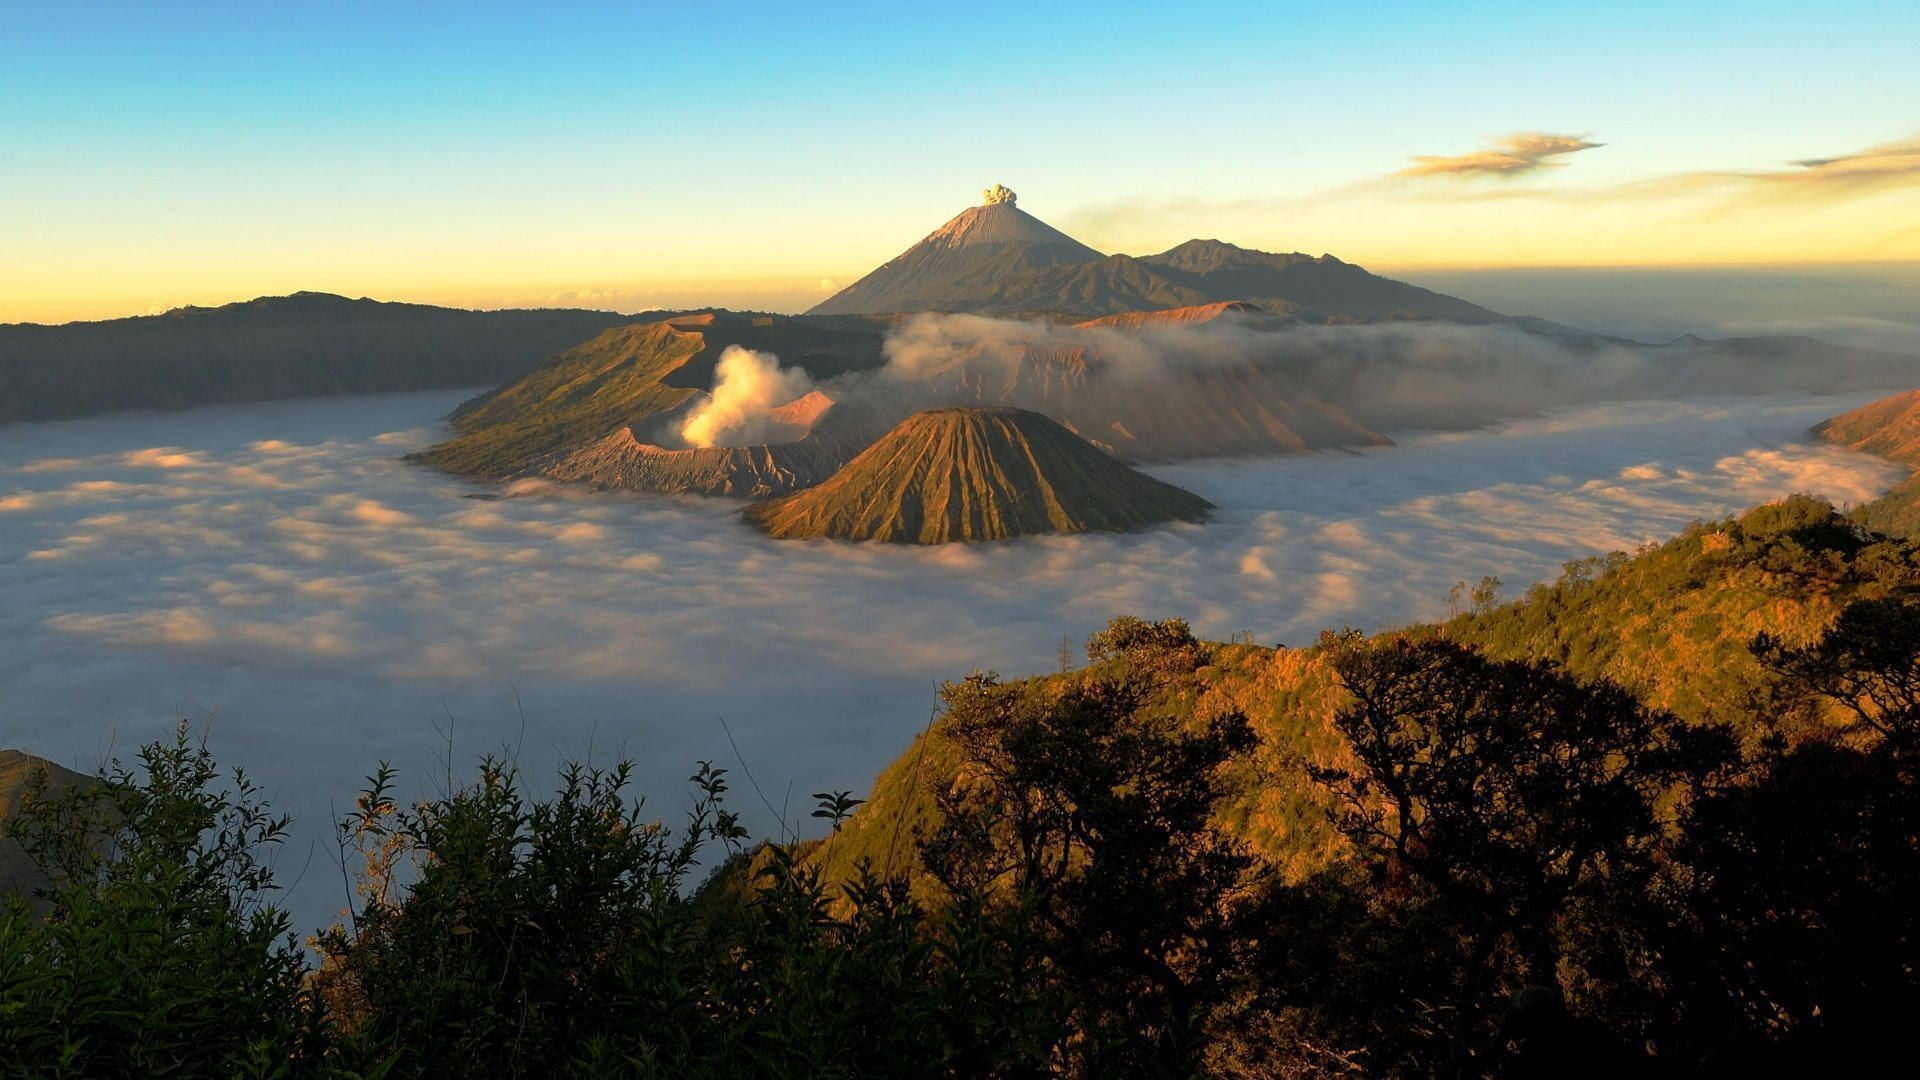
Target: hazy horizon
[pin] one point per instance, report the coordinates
(1869, 305)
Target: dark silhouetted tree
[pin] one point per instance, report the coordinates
(1084, 809)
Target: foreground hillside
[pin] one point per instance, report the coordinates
(1672, 624)
(304, 345)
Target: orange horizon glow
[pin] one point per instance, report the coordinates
(1445, 218)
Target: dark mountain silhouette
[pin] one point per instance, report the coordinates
(948, 475)
(304, 345)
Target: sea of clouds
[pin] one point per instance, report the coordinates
(277, 573)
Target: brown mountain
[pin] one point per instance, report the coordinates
(610, 398)
(305, 345)
(1315, 288)
(967, 256)
(976, 474)
(1196, 315)
(603, 412)
(1890, 428)
(997, 259)
(18, 873)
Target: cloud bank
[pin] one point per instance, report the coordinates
(1237, 386)
(276, 566)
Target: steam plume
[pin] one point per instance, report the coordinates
(747, 386)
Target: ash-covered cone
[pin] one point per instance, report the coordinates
(976, 474)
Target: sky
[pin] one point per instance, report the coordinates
(639, 155)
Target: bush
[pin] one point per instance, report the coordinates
(158, 953)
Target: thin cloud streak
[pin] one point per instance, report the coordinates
(1509, 156)
(1715, 213)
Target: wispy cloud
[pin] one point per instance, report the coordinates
(1887, 165)
(1737, 212)
(1899, 157)
(1510, 155)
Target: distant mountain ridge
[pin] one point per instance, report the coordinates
(307, 344)
(996, 259)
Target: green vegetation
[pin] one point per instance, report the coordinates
(21, 774)
(158, 954)
(1673, 622)
(1419, 854)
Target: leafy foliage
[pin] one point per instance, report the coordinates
(1086, 817)
(158, 953)
(1672, 623)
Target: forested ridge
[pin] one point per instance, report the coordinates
(1661, 817)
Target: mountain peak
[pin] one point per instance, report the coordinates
(996, 258)
(1001, 222)
(964, 259)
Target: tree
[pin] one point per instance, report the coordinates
(521, 920)
(1867, 664)
(1085, 811)
(1795, 935)
(1517, 798)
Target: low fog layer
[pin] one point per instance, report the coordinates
(277, 568)
(1870, 305)
(1176, 391)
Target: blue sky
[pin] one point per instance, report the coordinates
(495, 151)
